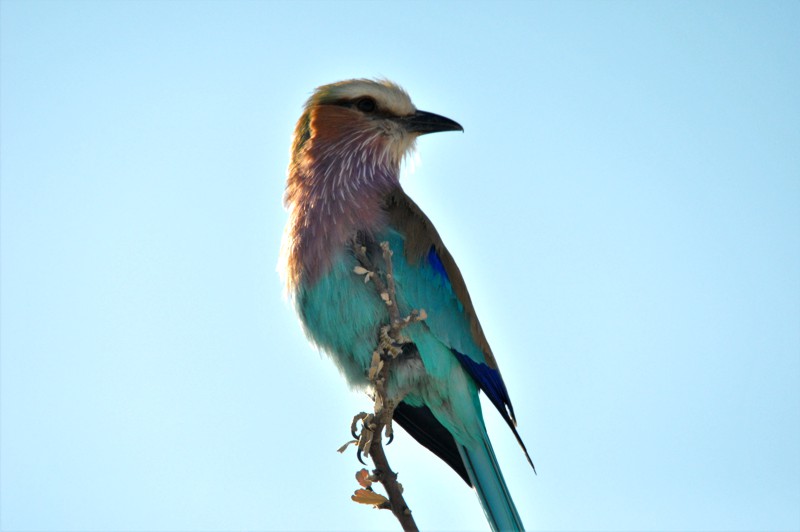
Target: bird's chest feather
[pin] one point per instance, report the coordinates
(342, 315)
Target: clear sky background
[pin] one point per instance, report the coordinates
(624, 204)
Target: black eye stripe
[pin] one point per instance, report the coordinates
(365, 104)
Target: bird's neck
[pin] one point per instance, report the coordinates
(329, 200)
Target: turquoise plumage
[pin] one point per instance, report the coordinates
(343, 190)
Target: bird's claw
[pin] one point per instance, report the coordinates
(389, 431)
(364, 439)
(361, 416)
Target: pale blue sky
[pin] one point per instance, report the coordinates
(624, 204)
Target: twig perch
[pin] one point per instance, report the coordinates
(369, 441)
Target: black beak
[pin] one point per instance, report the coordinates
(423, 122)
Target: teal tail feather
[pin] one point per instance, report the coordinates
(484, 472)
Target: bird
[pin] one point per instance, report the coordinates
(343, 190)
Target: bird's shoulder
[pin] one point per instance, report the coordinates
(423, 245)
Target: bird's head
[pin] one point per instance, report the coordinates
(346, 155)
(354, 131)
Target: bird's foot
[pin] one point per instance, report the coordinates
(365, 437)
(387, 343)
(361, 416)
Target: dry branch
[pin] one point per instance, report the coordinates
(369, 441)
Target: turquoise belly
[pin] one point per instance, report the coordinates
(342, 315)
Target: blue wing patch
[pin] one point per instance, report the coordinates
(490, 381)
(436, 262)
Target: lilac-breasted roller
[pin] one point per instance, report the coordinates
(343, 190)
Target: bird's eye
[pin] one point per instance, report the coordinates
(366, 105)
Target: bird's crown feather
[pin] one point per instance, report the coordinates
(390, 97)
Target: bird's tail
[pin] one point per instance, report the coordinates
(484, 472)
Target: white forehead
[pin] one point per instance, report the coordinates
(388, 95)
